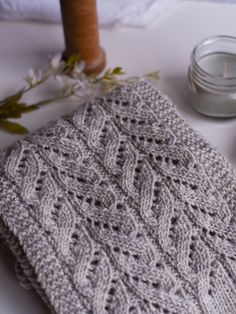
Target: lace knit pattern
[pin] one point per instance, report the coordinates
(122, 208)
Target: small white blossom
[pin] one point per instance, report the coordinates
(56, 61)
(67, 84)
(33, 77)
(79, 68)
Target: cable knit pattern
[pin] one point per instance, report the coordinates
(122, 208)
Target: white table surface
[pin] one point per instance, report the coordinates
(166, 47)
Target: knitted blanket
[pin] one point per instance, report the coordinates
(122, 208)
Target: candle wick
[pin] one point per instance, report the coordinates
(225, 69)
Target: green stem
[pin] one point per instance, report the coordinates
(47, 101)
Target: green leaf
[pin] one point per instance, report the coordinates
(12, 100)
(28, 108)
(118, 71)
(12, 127)
(72, 60)
(15, 111)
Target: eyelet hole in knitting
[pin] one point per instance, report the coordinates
(174, 220)
(39, 183)
(119, 206)
(212, 233)
(126, 253)
(95, 262)
(103, 136)
(175, 162)
(202, 210)
(97, 223)
(210, 292)
(135, 278)
(141, 122)
(81, 180)
(156, 285)
(79, 197)
(89, 200)
(56, 207)
(111, 295)
(115, 228)
(125, 103)
(88, 114)
(156, 194)
(132, 309)
(97, 203)
(66, 155)
(137, 173)
(158, 158)
(211, 288)
(75, 236)
(193, 187)
(106, 226)
(158, 142)
(156, 306)
(120, 154)
(22, 163)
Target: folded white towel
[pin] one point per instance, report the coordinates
(110, 12)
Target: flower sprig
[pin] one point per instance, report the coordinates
(73, 83)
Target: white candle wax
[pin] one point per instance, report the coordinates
(219, 64)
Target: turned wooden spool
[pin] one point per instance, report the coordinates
(81, 34)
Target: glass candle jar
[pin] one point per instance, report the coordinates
(212, 77)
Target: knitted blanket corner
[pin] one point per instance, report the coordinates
(122, 208)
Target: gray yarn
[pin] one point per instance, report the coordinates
(122, 208)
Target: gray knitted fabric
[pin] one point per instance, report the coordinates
(122, 208)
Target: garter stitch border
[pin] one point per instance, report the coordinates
(122, 208)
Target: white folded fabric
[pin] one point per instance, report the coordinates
(110, 12)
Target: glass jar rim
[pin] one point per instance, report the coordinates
(201, 45)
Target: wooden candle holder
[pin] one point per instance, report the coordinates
(80, 26)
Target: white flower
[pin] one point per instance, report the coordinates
(33, 77)
(56, 61)
(67, 84)
(79, 68)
